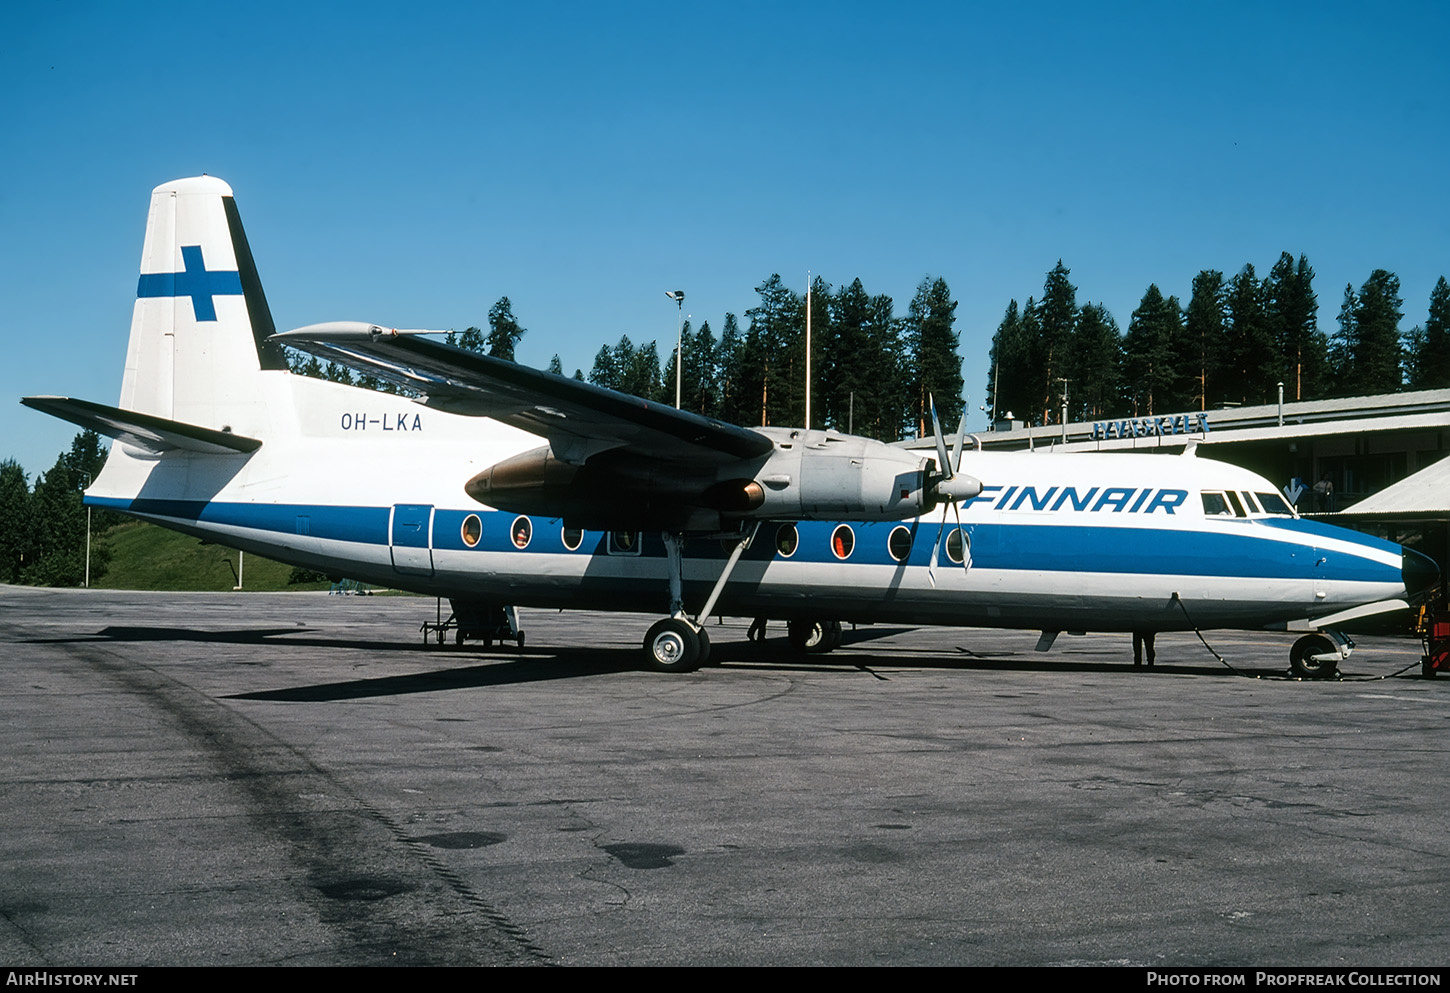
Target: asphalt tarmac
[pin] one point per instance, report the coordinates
(245, 779)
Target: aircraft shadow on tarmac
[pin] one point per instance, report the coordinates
(237, 636)
(544, 664)
(508, 666)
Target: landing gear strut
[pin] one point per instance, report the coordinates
(677, 643)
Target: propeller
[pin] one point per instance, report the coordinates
(950, 486)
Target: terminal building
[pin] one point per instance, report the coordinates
(1382, 457)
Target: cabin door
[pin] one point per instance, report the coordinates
(410, 537)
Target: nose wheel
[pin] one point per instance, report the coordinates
(1315, 656)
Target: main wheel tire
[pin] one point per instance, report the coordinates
(1302, 661)
(703, 659)
(813, 637)
(672, 645)
(834, 634)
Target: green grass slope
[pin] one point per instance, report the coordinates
(147, 557)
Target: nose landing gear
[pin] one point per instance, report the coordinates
(1316, 656)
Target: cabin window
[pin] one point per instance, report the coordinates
(521, 532)
(843, 540)
(624, 543)
(786, 540)
(956, 546)
(572, 538)
(899, 544)
(472, 530)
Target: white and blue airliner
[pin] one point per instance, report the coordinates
(493, 484)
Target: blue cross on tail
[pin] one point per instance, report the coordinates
(196, 282)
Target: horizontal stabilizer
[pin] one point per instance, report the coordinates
(154, 434)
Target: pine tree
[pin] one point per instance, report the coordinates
(1375, 356)
(848, 363)
(1097, 355)
(1012, 378)
(1341, 347)
(774, 353)
(1206, 342)
(1253, 356)
(16, 526)
(1056, 319)
(58, 518)
(1292, 313)
(504, 331)
(471, 339)
(605, 371)
(728, 360)
(1430, 357)
(641, 375)
(701, 373)
(936, 366)
(819, 313)
(1149, 353)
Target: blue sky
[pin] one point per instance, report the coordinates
(408, 164)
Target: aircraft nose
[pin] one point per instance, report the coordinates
(1419, 572)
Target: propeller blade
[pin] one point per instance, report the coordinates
(943, 464)
(936, 550)
(966, 545)
(961, 443)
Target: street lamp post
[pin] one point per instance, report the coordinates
(679, 297)
(88, 532)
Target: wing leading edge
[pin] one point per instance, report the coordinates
(579, 419)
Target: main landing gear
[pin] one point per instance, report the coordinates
(814, 637)
(677, 643)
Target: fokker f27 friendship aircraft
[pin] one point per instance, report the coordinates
(491, 483)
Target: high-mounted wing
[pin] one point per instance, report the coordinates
(579, 419)
(617, 462)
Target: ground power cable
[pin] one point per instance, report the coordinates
(1338, 676)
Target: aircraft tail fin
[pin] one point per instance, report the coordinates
(201, 320)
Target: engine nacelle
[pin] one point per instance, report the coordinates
(809, 475)
(820, 475)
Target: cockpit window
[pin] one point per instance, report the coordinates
(1274, 504)
(1238, 505)
(1214, 505)
(1251, 503)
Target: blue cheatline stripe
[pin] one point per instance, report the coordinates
(367, 525)
(194, 281)
(1318, 529)
(1230, 549)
